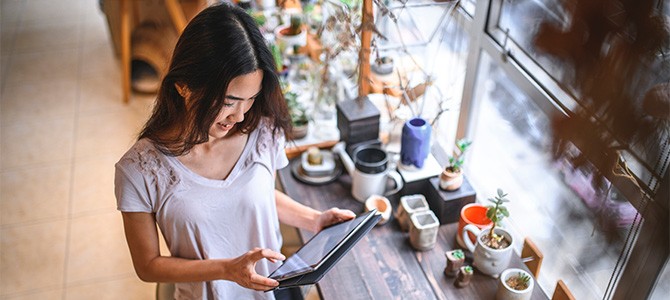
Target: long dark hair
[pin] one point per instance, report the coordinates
(222, 42)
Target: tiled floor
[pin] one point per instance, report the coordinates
(63, 126)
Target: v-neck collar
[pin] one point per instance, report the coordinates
(234, 173)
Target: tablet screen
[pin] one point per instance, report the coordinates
(318, 248)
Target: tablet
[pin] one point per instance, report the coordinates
(320, 248)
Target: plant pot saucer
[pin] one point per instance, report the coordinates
(300, 175)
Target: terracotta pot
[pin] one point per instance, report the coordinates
(298, 132)
(382, 205)
(451, 181)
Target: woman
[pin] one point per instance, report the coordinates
(203, 167)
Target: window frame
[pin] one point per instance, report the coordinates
(650, 249)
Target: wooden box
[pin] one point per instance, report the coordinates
(447, 205)
(357, 120)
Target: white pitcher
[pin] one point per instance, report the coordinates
(369, 171)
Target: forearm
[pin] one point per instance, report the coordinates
(295, 214)
(175, 269)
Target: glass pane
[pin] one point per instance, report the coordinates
(580, 229)
(428, 49)
(662, 288)
(469, 6)
(596, 58)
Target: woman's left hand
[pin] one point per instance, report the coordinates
(333, 216)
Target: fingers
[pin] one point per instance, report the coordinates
(261, 283)
(268, 254)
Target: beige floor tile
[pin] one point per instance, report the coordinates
(10, 10)
(38, 101)
(36, 11)
(101, 94)
(98, 60)
(47, 36)
(106, 134)
(130, 288)
(43, 66)
(52, 294)
(31, 143)
(96, 30)
(97, 248)
(7, 36)
(35, 194)
(93, 185)
(32, 256)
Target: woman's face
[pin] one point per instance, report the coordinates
(239, 98)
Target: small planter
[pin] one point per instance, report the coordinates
(409, 205)
(515, 284)
(382, 205)
(463, 276)
(455, 260)
(299, 131)
(488, 260)
(450, 180)
(423, 230)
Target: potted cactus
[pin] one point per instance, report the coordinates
(451, 178)
(463, 277)
(455, 259)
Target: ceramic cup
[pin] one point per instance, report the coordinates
(475, 214)
(371, 173)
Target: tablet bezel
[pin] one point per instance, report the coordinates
(365, 216)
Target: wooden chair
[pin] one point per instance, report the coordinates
(531, 256)
(562, 292)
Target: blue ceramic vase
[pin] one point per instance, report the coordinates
(415, 142)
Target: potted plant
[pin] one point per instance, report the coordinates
(515, 284)
(493, 248)
(463, 277)
(451, 178)
(299, 119)
(496, 212)
(293, 34)
(455, 259)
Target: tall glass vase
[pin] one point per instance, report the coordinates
(415, 142)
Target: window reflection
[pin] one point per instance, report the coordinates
(580, 227)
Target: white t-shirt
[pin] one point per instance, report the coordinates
(203, 218)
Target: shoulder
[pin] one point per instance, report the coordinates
(267, 136)
(144, 159)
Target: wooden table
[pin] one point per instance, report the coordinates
(383, 265)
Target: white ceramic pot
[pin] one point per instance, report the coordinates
(505, 292)
(487, 260)
(423, 230)
(409, 205)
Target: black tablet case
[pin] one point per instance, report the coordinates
(316, 275)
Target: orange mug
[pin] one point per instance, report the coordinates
(475, 214)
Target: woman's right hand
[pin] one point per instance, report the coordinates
(242, 270)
